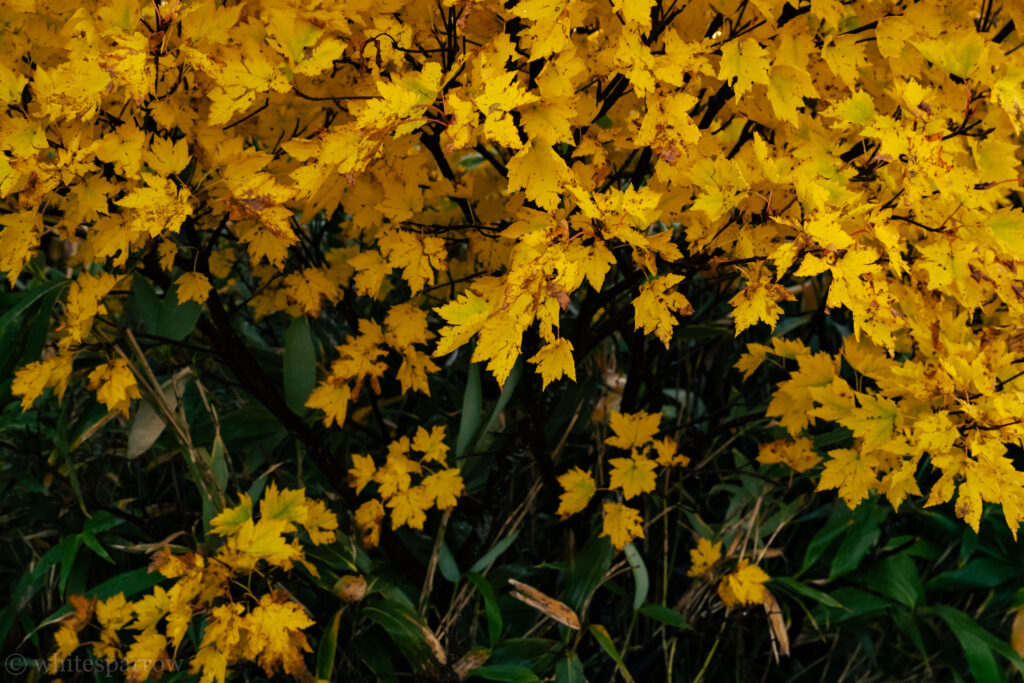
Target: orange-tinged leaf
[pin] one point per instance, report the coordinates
(545, 604)
(369, 517)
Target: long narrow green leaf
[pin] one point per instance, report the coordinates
(472, 406)
(569, 669)
(603, 639)
(494, 620)
(299, 365)
(325, 652)
(641, 581)
(492, 554)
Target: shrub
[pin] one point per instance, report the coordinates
(534, 328)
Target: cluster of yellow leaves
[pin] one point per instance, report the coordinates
(954, 398)
(265, 629)
(360, 359)
(629, 477)
(742, 586)
(870, 148)
(437, 485)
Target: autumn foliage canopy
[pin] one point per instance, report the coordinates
(341, 315)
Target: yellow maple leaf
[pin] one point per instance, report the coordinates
(19, 240)
(114, 612)
(273, 634)
(67, 642)
(746, 61)
(416, 367)
(745, 586)
(465, 316)
(656, 306)
(787, 88)
(166, 157)
(228, 521)
(115, 385)
(369, 517)
(853, 472)
(540, 172)
(408, 507)
(331, 397)
(632, 431)
(418, 256)
(703, 557)
(287, 505)
(320, 523)
(621, 524)
(263, 540)
(150, 609)
(758, 301)
(633, 476)
(798, 454)
(668, 453)
(501, 337)
(431, 444)
(395, 475)
(362, 471)
(31, 380)
(578, 488)
(874, 420)
(406, 325)
(444, 488)
(193, 287)
(84, 303)
(146, 653)
(554, 361)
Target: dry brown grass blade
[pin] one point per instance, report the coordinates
(432, 641)
(777, 623)
(428, 583)
(545, 604)
(465, 593)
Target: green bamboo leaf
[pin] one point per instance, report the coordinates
(491, 555)
(325, 652)
(508, 673)
(569, 669)
(299, 365)
(494, 620)
(603, 639)
(665, 615)
(642, 582)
